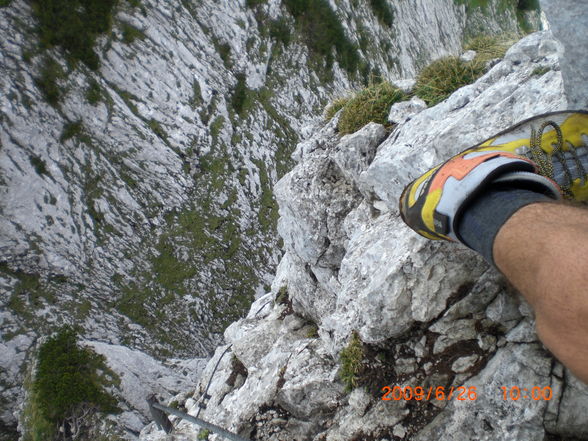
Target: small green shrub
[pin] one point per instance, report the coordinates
(94, 92)
(323, 33)
(279, 30)
(71, 129)
(351, 359)
(335, 106)
(224, 50)
(443, 77)
(4, 3)
(241, 99)
(51, 72)
(383, 11)
(74, 26)
(39, 165)
(216, 126)
(131, 33)
(370, 104)
(69, 376)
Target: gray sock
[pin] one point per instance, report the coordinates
(483, 218)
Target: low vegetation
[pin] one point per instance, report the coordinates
(351, 360)
(68, 390)
(443, 77)
(370, 104)
(323, 33)
(130, 33)
(74, 25)
(489, 47)
(50, 73)
(383, 11)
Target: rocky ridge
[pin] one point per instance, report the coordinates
(427, 314)
(145, 214)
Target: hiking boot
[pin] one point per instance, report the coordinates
(547, 153)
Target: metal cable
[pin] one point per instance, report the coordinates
(206, 425)
(205, 394)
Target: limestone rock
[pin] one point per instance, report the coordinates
(429, 315)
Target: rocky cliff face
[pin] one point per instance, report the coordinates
(357, 286)
(140, 206)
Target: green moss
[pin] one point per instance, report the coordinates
(383, 11)
(4, 3)
(67, 377)
(131, 33)
(540, 71)
(204, 433)
(370, 104)
(323, 33)
(443, 77)
(94, 92)
(50, 73)
(74, 25)
(351, 359)
(312, 331)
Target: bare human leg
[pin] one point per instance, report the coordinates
(543, 250)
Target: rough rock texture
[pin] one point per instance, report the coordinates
(155, 216)
(147, 217)
(429, 314)
(574, 38)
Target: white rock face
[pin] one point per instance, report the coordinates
(430, 315)
(574, 37)
(147, 217)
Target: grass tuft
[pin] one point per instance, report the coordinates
(335, 106)
(371, 104)
(351, 359)
(490, 47)
(443, 77)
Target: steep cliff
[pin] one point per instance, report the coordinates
(136, 179)
(360, 302)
